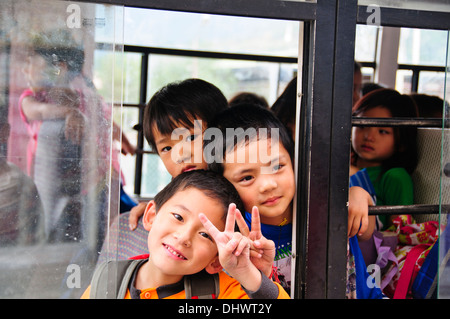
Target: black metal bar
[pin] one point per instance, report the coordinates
(419, 68)
(210, 54)
(366, 64)
(304, 160)
(130, 105)
(407, 18)
(272, 9)
(386, 122)
(415, 81)
(318, 162)
(417, 209)
(140, 139)
(343, 65)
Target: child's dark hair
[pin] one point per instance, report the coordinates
(211, 184)
(285, 106)
(405, 137)
(247, 118)
(181, 103)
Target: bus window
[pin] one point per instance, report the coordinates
(60, 173)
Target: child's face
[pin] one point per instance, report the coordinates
(178, 242)
(182, 150)
(373, 145)
(267, 182)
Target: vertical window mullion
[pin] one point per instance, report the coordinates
(140, 139)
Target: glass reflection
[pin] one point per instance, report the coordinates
(21, 211)
(443, 269)
(60, 176)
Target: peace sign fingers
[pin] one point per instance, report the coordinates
(221, 238)
(231, 218)
(255, 232)
(210, 228)
(243, 228)
(256, 224)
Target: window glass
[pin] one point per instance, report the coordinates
(366, 42)
(403, 81)
(180, 30)
(59, 168)
(192, 31)
(154, 175)
(432, 83)
(422, 47)
(443, 278)
(230, 76)
(368, 74)
(131, 77)
(129, 118)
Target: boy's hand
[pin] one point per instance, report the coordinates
(135, 213)
(262, 250)
(234, 251)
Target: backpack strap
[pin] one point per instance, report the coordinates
(110, 280)
(202, 286)
(401, 290)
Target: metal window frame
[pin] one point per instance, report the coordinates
(407, 18)
(329, 29)
(327, 75)
(416, 69)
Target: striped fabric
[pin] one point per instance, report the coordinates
(122, 243)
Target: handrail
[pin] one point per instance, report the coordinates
(417, 209)
(397, 121)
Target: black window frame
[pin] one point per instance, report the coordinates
(324, 120)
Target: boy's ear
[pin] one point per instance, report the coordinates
(149, 215)
(214, 266)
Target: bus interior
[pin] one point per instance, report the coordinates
(60, 203)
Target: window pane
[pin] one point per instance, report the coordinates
(230, 76)
(129, 118)
(432, 83)
(423, 47)
(192, 31)
(366, 42)
(403, 81)
(154, 175)
(368, 74)
(131, 77)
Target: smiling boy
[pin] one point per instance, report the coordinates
(191, 229)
